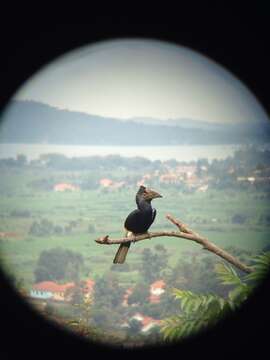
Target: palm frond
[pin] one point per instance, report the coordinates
(261, 268)
(227, 275)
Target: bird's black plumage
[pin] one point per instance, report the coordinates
(139, 220)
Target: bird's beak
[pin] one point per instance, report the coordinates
(151, 194)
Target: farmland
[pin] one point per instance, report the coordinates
(53, 209)
(209, 213)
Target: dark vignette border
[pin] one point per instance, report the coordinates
(236, 40)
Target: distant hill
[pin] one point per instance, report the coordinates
(34, 122)
(186, 123)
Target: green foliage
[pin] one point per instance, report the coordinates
(238, 218)
(199, 311)
(139, 294)
(189, 274)
(75, 295)
(44, 227)
(134, 327)
(107, 292)
(153, 263)
(261, 267)
(82, 322)
(228, 276)
(30, 187)
(21, 160)
(58, 264)
(21, 213)
(167, 306)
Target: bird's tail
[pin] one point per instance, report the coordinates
(122, 251)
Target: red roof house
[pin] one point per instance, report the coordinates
(50, 290)
(157, 288)
(65, 187)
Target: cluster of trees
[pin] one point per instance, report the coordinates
(45, 227)
(193, 274)
(59, 264)
(223, 173)
(190, 308)
(153, 262)
(107, 310)
(244, 163)
(22, 213)
(18, 162)
(197, 273)
(110, 162)
(198, 311)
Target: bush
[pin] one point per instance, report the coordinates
(139, 294)
(58, 264)
(239, 219)
(20, 213)
(123, 267)
(91, 229)
(264, 219)
(58, 229)
(45, 228)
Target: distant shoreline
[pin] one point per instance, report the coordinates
(152, 152)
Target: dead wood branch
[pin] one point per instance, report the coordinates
(185, 233)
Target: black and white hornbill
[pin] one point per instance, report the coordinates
(139, 220)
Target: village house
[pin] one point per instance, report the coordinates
(193, 182)
(250, 179)
(146, 322)
(50, 290)
(46, 290)
(169, 178)
(203, 188)
(118, 185)
(65, 187)
(126, 296)
(105, 182)
(157, 288)
(186, 171)
(110, 184)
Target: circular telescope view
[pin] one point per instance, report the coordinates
(134, 192)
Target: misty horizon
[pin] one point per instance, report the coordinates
(124, 79)
(130, 118)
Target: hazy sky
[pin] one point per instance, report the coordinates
(136, 78)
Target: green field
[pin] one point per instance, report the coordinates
(208, 213)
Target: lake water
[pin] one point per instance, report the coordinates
(179, 152)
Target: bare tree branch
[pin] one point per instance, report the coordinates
(184, 232)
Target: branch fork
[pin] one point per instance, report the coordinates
(183, 232)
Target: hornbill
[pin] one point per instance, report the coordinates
(139, 220)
